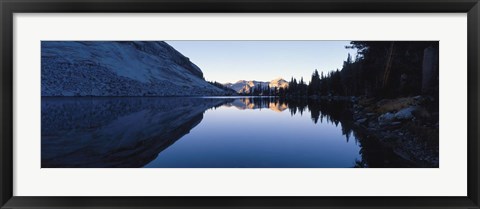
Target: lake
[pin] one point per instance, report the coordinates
(206, 132)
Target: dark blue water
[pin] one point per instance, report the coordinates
(203, 133)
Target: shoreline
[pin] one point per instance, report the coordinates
(406, 128)
(401, 124)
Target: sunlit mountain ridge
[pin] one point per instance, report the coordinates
(244, 86)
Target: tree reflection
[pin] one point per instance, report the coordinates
(373, 153)
(131, 132)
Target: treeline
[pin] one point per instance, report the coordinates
(384, 69)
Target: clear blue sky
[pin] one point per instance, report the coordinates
(230, 61)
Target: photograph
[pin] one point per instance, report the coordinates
(240, 104)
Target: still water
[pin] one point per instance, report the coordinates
(209, 132)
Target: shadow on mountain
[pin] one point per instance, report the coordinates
(115, 132)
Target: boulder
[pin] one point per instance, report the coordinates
(387, 117)
(406, 113)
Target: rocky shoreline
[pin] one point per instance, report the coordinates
(408, 125)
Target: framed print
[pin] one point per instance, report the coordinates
(266, 104)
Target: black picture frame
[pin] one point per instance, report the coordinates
(9, 7)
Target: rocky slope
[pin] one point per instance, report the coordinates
(125, 68)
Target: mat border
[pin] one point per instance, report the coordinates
(9, 7)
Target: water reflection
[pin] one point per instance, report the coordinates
(115, 132)
(213, 132)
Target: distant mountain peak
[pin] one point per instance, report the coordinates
(244, 86)
(278, 83)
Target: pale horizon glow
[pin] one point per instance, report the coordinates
(230, 61)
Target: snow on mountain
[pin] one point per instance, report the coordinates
(124, 68)
(243, 86)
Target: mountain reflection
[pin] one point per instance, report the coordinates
(336, 112)
(131, 132)
(115, 132)
(319, 109)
